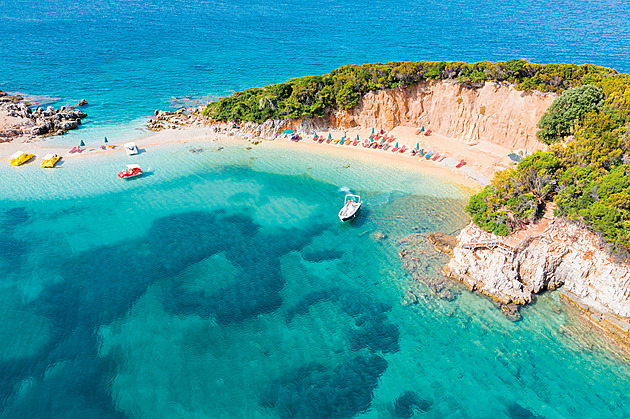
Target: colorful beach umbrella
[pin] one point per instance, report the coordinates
(288, 131)
(82, 144)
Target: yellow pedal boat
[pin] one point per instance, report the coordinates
(20, 158)
(50, 160)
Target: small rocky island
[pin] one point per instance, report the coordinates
(19, 120)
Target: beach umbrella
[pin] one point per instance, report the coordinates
(417, 146)
(357, 137)
(329, 136)
(82, 144)
(372, 130)
(396, 144)
(515, 157)
(422, 129)
(288, 131)
(106, 140)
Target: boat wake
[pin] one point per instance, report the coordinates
(385, 198)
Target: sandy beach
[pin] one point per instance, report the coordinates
(482, 159)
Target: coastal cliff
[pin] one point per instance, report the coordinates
(562, 254)
(495, 113)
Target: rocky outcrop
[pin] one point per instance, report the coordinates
(17, 118)
(564, 255)
(188, 117)
(496, 113)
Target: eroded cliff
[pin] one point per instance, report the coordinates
(497, 113)
(494, 113)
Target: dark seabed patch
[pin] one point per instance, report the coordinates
(318, 392)
(102, 284)
(516, 411)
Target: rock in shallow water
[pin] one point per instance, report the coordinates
(409, 403)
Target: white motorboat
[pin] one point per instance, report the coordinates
(131, 148)
(352, 205)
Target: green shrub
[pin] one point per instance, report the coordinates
(559, 120)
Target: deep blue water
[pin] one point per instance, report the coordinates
(131, 57)
(221, 284)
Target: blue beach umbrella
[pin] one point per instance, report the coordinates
(82, 144)
(357, 137)
(422, 129)
(396, 144)
(329, 136)
(288, 131)
(417, 146)
(106, 140)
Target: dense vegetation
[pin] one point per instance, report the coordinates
(343, 87)
(586, 172)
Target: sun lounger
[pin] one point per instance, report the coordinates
(460, 164)
(436, 156)
(403, 149)
(428, 132)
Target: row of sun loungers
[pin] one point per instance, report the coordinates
(384, 142)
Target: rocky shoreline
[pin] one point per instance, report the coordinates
(18, 119)
(563, 256)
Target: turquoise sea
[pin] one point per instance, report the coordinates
(221, 284)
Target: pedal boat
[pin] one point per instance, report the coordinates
(50, 160)
(131, 148)
(132, 171)
(19, 158)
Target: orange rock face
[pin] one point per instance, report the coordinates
(496, 113)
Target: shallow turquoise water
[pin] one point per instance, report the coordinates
(223, 285)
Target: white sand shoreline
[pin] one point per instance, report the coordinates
(481, 160)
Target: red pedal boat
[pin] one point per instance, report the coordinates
(132, 171)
